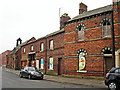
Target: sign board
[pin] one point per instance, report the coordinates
(51, 64)
(81, 61)
(42, 63)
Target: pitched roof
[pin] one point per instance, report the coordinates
(93, 12)
(52, 34)
(19, 46)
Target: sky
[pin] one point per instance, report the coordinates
(36, 18)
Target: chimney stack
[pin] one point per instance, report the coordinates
(64, 18)
(82, 8)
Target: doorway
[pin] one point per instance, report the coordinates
(59, 66)
(31, 59)
(108, 64)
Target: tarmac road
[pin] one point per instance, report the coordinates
(10, 80)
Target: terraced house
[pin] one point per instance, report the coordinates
(83, 46)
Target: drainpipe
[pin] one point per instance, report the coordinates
(113, 39)
(45, 55)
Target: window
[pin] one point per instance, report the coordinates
(117, 71)
(106, 27)
(81, 34)
(42, 47)
(80, 31)
(106, 30)
(81, 59)
(42, 63)
(26, 68)
(51, 44)
(32, 48)
(51, 63)
(23, 50)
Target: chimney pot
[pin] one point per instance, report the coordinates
(82, 8)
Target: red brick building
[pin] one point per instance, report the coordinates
(88, 41)
(3, 58)
(14, 57)
(82, 46)
(45, 53)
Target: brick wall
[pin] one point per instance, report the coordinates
(57, 52)
(93, 43)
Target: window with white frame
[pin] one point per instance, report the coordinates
(42, 47)
(51, 44)
(32, 48)
(23, 50)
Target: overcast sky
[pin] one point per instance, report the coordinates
(28, 18)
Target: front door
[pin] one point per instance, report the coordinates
(108, 64)
(59, 66)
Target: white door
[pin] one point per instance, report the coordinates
(37, 64)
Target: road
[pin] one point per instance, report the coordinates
(10, 80)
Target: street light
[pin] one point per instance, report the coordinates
(113, 37)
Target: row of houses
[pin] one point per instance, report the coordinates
(84, 45)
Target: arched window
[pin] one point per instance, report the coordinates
(80, 31)
(81, 59)
(106, 27)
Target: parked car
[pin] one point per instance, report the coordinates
(113, 79)
(31, 72)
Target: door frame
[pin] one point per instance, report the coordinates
(105, 56)
(59, 66)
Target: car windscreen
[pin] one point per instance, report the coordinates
(112, 70)
(31, 69)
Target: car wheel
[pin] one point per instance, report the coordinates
(29, 76)
(112, 86)
(41, 78)
(20, 75)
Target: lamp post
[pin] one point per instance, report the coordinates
(113, 38)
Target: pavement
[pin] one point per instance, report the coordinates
(78, 81)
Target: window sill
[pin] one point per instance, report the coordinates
(42, 51)
(107, 37)
(81, 71)
(51, 69)
(41, 68)
(51, 49)
(80, 41)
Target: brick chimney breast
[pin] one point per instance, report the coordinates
(64, 18)
(82, 8)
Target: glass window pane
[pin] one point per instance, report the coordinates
(42, 46)
(51, 44)
(81, 34)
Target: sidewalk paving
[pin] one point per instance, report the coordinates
(80, 81)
